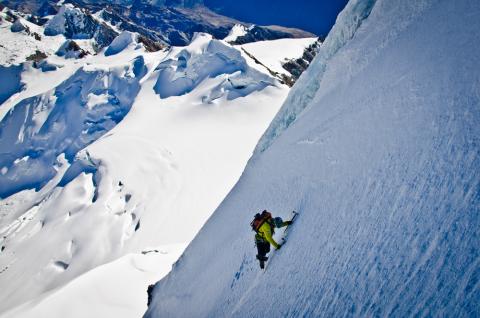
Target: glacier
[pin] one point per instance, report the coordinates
(377, 147)
(99, 172)
(41, 128)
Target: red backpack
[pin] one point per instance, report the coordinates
(259, 219)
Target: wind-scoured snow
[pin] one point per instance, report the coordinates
(381, 159)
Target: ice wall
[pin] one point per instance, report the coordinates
(347, 24)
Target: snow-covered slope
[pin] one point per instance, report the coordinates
(97, 162)
(116, 289)
(22, 40)
(382, 159)
(17, 46)
(236, 31)
(273, 53)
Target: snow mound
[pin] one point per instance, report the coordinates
(381, 159)
(239, 84)
(70, 50)
(207, 58)
(121, 42)
(18, 26)
(63, 120)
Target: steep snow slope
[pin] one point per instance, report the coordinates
(119, 169)
(383, 163)
(344, 29)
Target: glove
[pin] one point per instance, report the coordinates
(278, 247)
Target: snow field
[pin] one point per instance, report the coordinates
(116, 288)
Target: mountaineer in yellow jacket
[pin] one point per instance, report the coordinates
(264, 226)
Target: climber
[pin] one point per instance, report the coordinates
(264, 225)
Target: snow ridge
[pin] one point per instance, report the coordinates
(121, 42)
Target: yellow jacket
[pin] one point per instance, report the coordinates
(265, 232)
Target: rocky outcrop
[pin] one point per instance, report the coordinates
(75, 23)
(35, 7)
(297, 66)
(150, 46)
(175, 22)
(37, 56)
(168, 22)
(261, 33)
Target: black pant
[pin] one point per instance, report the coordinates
(263, 249)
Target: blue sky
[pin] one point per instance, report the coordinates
(315, 16)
